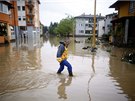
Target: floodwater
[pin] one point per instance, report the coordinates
(28, 73)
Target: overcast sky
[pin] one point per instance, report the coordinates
(55, 10)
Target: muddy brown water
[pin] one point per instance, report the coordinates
(28, 73)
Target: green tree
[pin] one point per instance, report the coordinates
(65, 27)
(52, 28)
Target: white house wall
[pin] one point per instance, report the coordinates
(21, 13)
(100, 28)
(37, 24)
(107, 23)
(80, 26)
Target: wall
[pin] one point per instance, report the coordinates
(124, 10)
(80, 25)
(4, 17)
(14, 14)
(100, 28)
(107, 24)
(37, 24)
(21, 13)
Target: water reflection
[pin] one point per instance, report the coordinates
(63, 83)
(31, 64)
(93, 61)
(74, 48)
(18, 62)
(120, 75)
(30, 42)
(123, 73)
(91, 76)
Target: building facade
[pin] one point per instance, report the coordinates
(101, 28)
(108, 24)
(21, 14)
(7, 20)
(84, 24)
(28, 16)
(124, 24)
(17, 17)
(105, 26)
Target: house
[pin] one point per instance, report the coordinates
(108, 24)
(101, 28)
(124, 24)
(14, 21)
(28, 17)
(19, 17)
(105, 26)
(84, 24)
(7, 20)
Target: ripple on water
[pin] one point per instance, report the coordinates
(24, 80)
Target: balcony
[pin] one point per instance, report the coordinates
(6, 2)
(31, 14)
(30, 4)
(30, 23)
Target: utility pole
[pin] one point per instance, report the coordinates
(94, 28)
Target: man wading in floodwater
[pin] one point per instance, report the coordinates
(62, 55)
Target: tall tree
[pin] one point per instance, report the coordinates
(65, 27)
(52, 28)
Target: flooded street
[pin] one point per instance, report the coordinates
(28, 73)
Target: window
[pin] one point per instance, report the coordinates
(24, 18)
(81, 24)
(30, 11)
(132, 7)
(90, 32)
(81, 31)
(23, 8)
(19, 18)
(87, 21)
(5, 9)
(19, 8)
(90, 26)
(87, 32)
(1, 7)
(91, 20)
(86, 25)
